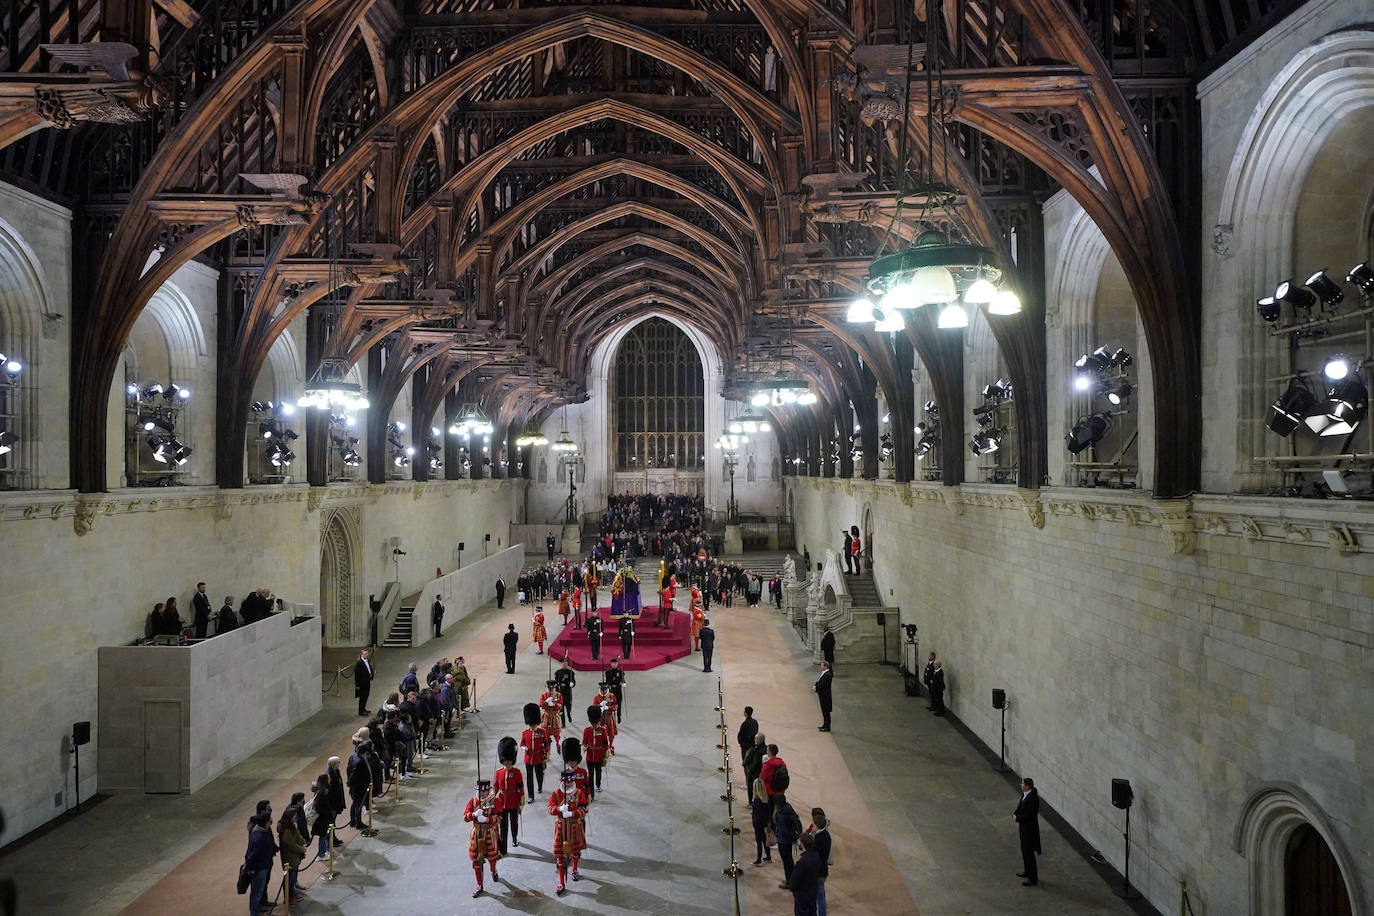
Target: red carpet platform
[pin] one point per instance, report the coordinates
(653, 646)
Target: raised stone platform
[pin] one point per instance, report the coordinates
(653, 646)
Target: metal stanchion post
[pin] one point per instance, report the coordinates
(369, 830)
(286, 890)
(472, 692)
(331, 874)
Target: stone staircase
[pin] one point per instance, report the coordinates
(862, 591)
(402, 629)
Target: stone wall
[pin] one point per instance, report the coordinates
(465, 590)
(64, 593)
(1202, 649)
(237, 693)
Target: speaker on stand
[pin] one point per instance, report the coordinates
(999, 702)
(1122, 797)
(81, 734)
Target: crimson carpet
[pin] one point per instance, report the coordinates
(653, 646)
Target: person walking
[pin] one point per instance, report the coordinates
(761, 813)
(509, 786)
(500, 590)
(568, 805)
(819, 831)
(437, 617)
(362, 680)
(483, 812)
(1027, 817)
(805, 880)
(510, 641)
(788, 828)
(708, 644)
(822, 691)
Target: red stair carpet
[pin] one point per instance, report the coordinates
(653, 646)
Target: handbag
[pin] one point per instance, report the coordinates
(770, 836)
(245, 878)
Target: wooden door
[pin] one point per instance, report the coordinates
(161, 747)
(1313, 885)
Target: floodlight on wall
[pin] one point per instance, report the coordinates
(1363, 277)
(1294, 295)
(1346, 405)
(1087, 431)
(1326, 289)
(1119, 393)
(985, 442)
(1269, 308)
(998, 391)
(176, 392)
(11, 366)
(1291, 408)
(1336, 368)
(8, 441)
(267, 430)
(860, 311)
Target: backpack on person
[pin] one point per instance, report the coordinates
(781, 779)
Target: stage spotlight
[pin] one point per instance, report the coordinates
(266, 430)
(153, 390)
(148, 422)
(286, 409)
(1121, 358)
(131, 390)
(1336, 368)
(1268, 308)
(925, 446)
(986, 442)
(1118, 393)
(1346, 404)
(1327, 290)
(1087, 431)
(8, 441)
(12, 366)
(1362, 276)
(180, 454)
(932, 408)
(176, 393)
(1095, 361)
(1294, 295)
(259, 406)
(290, 435)
(1291, 408)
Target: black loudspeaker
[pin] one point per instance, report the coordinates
(999, 698)
(81, 733)
(486, 537)
(882, 620)
(462, 546)
(1122, 796)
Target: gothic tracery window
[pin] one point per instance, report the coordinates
(660, 405)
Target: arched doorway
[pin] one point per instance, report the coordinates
(1297, 864)
(1313, 885)
(338, 542)
(866, 526)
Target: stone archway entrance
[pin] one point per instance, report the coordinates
(1296, 859)
(338, 551)
(866, 527)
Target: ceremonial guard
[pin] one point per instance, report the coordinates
(615, 677)
(572, 760)
(577, 607)
(592, 583)
(536, 743)
(626, 629)
(509, 786)
(566, 679)
(568, 806)
(698, 619)
(594, 628)
(541, 633)
(564, 606)
(606, 702)
(596, 742)
(551, 710)
(482, 811)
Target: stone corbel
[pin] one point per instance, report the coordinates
(88, 507)
(953, 502)
(113, 102)
(1342, 538)
(1176, 520)
(224, 508)
(1035, 510)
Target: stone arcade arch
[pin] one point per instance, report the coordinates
(24, 299)
(1270, 820)
(340, 559)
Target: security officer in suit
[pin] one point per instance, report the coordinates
(626, 631)
(928, 677)
(708, 644)
(1027, 817)
(594, 628)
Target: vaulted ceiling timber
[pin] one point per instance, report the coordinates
(474, 194)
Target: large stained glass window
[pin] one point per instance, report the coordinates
(660, 404)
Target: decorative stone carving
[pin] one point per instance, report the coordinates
(1342, 538)
(115, 102)
(1176, 520)
(1223, 236)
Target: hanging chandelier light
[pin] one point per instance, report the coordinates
(748, 423)
(471, 421)
(530, 437)
(938, 268)
(564, 444)
(730, 442)
(782, 390)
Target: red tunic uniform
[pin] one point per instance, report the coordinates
(536, 743)
(484, 843)
(541, 634)
(596, 740)
(569, 833)
(551, 712)
(509, 787)
(607, 703)
(564, 607)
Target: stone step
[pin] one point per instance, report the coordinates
(401, 629)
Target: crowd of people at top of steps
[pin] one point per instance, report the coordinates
(165, 620)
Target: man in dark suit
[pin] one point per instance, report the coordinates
(748, 731)
(626, 630)
(937, 689)
(708, 644)
(929, 676)
(437, 614)
(848, 555)
(822, 690)
(362, 681)
(510, 641)
(1027, 817)
(200, 603)
(549, 544)
(828, 647)
(500, 590)
(594, 628)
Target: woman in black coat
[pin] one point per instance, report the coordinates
(753, 759)
(761, 811)
(337, 802)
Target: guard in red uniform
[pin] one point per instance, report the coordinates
(605, 701)
(568, 805)
(483, 812)
(540, 634)
(551, 709)
(572, 760)
(509, 786)
(596, 742)
(564, 607)
(536, 743)
(577, 608)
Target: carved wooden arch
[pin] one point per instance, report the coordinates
(572, 298)
(471, 180)
(825, 373)
(331, 56)
(505, 228)
(728, 257)
(446, 90)
(550, 287)
(597, 316)
(666, 303)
